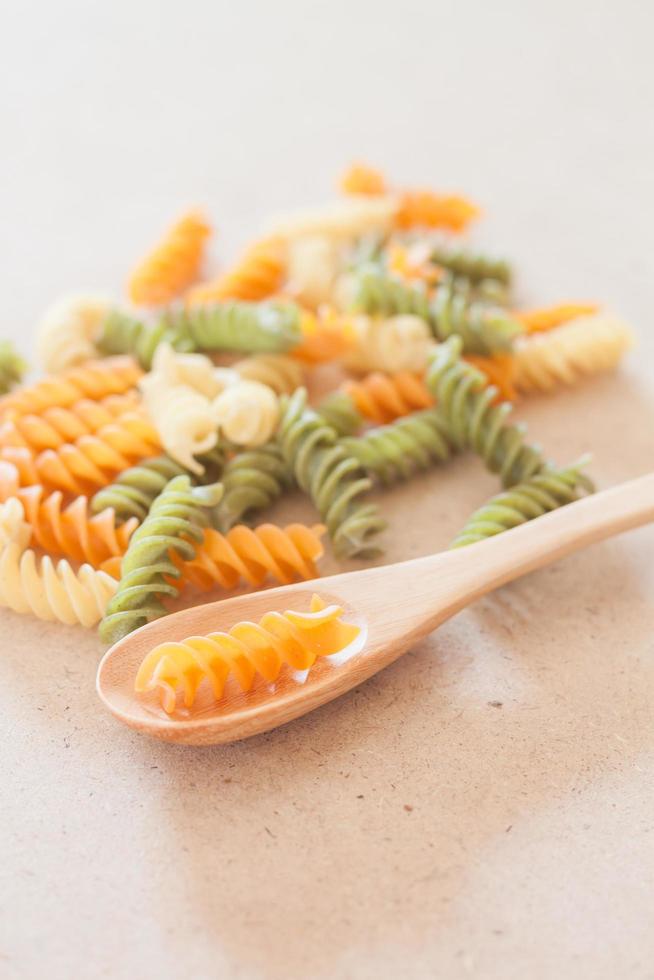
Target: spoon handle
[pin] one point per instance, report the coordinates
(479, 568)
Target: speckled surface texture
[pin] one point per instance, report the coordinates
(484, 807)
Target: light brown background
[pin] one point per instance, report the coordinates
(483, 808)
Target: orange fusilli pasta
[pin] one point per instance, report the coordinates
(549, 317)
(69, 531)
(55, 426)
(95, 380)
(90, 462)
(259, 274)
(324, 338)
(500, 371)
(253, 555)
(292, 639)
(429, 210)
(173, 265)
(385, 397)
(362, 179)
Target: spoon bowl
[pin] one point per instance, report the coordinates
(394, 605)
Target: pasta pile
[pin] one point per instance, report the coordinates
(350, 347)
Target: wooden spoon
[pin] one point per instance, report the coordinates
(396, 604)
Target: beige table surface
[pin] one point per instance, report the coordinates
(483, 808)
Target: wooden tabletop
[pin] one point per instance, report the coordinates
(484, 807)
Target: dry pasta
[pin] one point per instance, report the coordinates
(252, 555)
(259, 273)
(184, 420)
(47, 591)
(566, 354)
(292, 639)
(173, 264)
(246, 413)
(351, 347)
(399, 343)
(68, 330)
(95, 379)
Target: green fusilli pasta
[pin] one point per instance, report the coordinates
(176, 519)
(339, 411)
(537, 496)
(379, 292)
(249, 328)
(121, 333)
(252, 480)
(402, 448)
(483, 329)
(465, 400)
(332, 477)
(135, 489)
(12, 367)
(472, 265)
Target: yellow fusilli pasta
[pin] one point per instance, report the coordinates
(314, 262)
(247, 413)
(341, 220)
(67, 331)
(564, 355)
(278, 371)
(194, 370)
(48, 591)
(183, 419)
(399, 343)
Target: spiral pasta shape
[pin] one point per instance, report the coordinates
(95, 380)
(324, 338)
(500, 371)
(341, 220)
(252, 555)
(474, 266)
(332, 477)
(428, 210)
(359, 178)
(339, 411)
(192, 370)
(174, 525)
(291, 639)
(173, 264)
(12, 367)
(278, 371)
(567, 354)
(252, 480)
(385, 397)
(183, 419)
(89, 462)
(399, 343)
(67, 331)
(70, 531)
(122, 333)
(314, 262)
(402, 448)
(473, 421)
(48, 591)
(131, 495)
(448, 312)
(548, 317)
(246, 328)
(246, 413)
(259, 274)
(374, 291)
(534, 497)
(55, 426)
